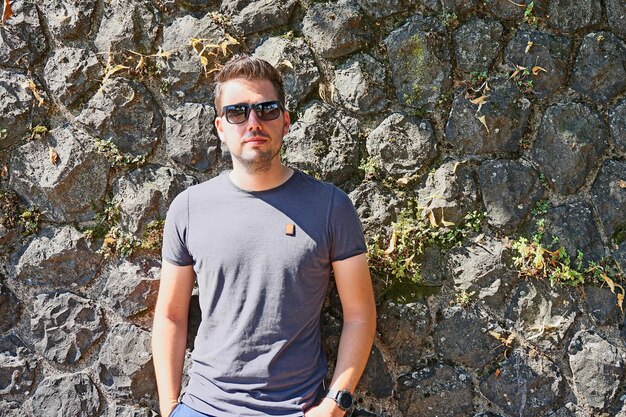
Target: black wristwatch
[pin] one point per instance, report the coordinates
(343, 398)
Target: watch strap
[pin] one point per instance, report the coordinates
(334, 394)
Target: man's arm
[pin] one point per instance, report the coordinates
(169, 332)
(354, 286)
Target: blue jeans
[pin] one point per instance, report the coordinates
(181, 410)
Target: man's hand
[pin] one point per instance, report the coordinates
(326, 408)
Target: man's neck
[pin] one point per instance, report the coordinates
(260, 181)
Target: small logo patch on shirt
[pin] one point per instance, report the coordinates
(290, 229)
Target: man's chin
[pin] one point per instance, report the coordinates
(257, 161)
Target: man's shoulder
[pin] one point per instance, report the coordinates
(209, 186)
(313, 183)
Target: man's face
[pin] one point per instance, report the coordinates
(255, 143)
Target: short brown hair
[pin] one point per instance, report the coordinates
(249, 68)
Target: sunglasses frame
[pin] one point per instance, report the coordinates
(252, 106)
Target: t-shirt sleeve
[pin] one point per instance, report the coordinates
(175, 249)
(346, 234)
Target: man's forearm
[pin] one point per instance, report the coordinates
(168, 349)
(354, 350)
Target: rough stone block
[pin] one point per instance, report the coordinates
(125, 363)
(600, 68)
(436, 391)
(402, 145)
(128, 25)
(527, 385)
(479, 268)
(597, 367)
(616, 13)
(359, 85)
(124, 112)
(131, 287)
(120, 410)
(70, 73)
(608, 194)
(17, 366)
(574, 226)
(541, 313)
(449, 6)
(506, 10)
(510, 191)
(335, 29)
(505, 114)
(617, 123)
(58, 257)
(381, 8)
(377, 378)
(22, 41)
(477, 44)
(294, 60)
(548, 51)
(17, 105)
(65, 326)
(569, 144)
(10, 309)
(69, 19)
(569, 15)
(450, 192)
(602, 305)
(461, 336)
(420, 62)
(374, 204)
(185, 74)
(189, 137)
(404, 329)
(261, 15)
(67, 189)
(67, 395)
(324, 142)
(145, 194)
(11, 409)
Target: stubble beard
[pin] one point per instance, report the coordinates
(261, 161)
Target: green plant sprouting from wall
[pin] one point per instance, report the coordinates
(116, 157)
(534, 259)
(396, 269)
(30, 220)
(118, 242)
(105, 219)
(152, 238)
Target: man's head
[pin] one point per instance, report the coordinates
(255, 120)
(248, 68)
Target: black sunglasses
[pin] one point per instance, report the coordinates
(239, 113)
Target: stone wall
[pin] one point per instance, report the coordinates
(457, 127)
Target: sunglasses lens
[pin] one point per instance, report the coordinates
(267, 111)
(236, 114)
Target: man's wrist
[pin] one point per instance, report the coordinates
(343, 398)
(332, 407)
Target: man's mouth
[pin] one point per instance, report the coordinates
(255, 140)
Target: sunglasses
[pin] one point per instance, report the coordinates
(239, 113)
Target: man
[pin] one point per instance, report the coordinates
(261, 241)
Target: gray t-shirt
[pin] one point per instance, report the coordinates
(262, 261)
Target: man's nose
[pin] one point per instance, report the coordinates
(253, 122)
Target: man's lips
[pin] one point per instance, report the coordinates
(255, 140)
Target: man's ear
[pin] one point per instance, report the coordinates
(287, 122)
(219, 127)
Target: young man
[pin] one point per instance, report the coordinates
(261, 241)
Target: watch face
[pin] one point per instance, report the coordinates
(345, 400)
